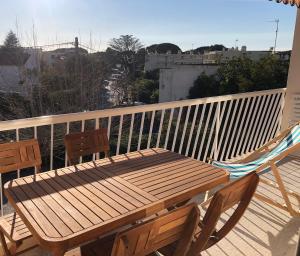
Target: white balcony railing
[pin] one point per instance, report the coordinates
(223, 127)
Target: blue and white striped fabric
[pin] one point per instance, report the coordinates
(239, 170)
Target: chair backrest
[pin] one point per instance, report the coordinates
(238, 193)
(176, 226)
(86, 143)
(19, 155)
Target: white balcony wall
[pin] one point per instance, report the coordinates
(292, 106)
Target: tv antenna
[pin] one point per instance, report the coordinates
(276, 33)
(236, 43)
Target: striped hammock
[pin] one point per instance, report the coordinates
(240, 169)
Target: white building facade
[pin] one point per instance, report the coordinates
(175, 83)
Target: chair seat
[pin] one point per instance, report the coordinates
(14, 228)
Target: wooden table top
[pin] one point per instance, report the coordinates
(72, 205)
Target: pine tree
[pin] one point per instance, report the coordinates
(11, 40)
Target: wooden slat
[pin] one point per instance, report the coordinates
(109, 190)
(72, 199)
(92, 186)
(63, 200)
(82, 194)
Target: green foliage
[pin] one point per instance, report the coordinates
(146, 87)
(11, 53)
(204, 86)
(236, 76)
(163, 48)
(125, 43)
(146, 90)
(13, 106)
(242, 75)
(11, 40)
(74, 85)
(216, 47)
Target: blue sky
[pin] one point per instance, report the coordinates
(187, 23)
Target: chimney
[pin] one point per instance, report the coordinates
(76, 42)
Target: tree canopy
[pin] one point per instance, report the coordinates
(163, 48)
(11, 52)
(11, 40)
(125, 43)
(216, 47)
(242, 75)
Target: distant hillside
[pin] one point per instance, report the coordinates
(163, 48)
(216, 47)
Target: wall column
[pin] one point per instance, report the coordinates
(291, 112)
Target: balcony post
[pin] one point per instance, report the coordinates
(291, 112)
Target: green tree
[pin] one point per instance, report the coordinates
(146, 90)
(204, 86)
(242, 75)
(11, 52)
(125, 43)
(11, 40)
(236, 76)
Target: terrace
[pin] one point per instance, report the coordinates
(224, 128)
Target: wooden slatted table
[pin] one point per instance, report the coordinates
(73, 205)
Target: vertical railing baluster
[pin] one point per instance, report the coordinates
(51, 146)
(217, 150)
(249, 129)
(266, 119)
(198, 131)
(18, 139)
(66, 155)
(191, 131)
(151, 129)
(233, 135)
(35, 132)
(268, 128)
(119, 135)
(228, 112)
(141, 131)
(214, 151)
(169, 128)
(160, 127)
(205, 130)
(245, 128)
(225, 147)
(184, 129)
(261, 122)
(255, 122)
(275, 120)
(210, 134)
(176, 129)
(240, 129)
(97, 126)
(280, 116)
(82, 130)
(35, 136)
(108, 127)
(130, 132)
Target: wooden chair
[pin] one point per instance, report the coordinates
(86, 143)
(177, 226)
(267, 156)
(15, 156)
(238, 193)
